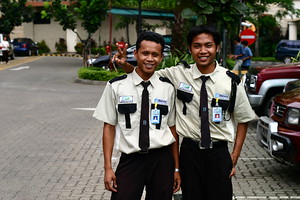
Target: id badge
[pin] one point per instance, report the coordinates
(217, 114)
(155, 115)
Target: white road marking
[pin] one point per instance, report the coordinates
(19, 68)
(89, 109)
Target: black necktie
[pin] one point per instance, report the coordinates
(205, 133)
(144, 122)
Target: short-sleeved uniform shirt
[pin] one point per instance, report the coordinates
(124, 96)
(187, 83)
(239, 49)
(248, 53)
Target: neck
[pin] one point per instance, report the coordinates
(207, 69)
(143, 75)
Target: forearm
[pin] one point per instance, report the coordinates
(175, 147)
(128, 68)
(108, 143)
(239, 141)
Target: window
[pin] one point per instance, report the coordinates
(39, 20)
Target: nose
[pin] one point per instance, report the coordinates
(203, 49)
(149, 57)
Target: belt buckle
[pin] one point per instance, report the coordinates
(144, 152)
(210, 145)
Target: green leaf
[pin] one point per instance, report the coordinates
(228, 18)
(201, 20)
(202, 3)
(224, 1)
(242, 8)
(187, 13)
(208, 10)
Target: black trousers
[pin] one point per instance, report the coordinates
(5, 56)
(205, 173)
(155, 170)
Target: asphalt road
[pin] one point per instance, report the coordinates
(51, 146)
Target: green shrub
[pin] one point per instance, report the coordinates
(43, 47)
(61, 46)
(94, 73)
(78, 48)
(174, 59)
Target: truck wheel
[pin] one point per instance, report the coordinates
(266, 106)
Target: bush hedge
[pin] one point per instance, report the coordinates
(94, 73)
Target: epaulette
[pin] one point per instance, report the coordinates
(234, 77)
(118, 78)
(165, 79)
(186, 65)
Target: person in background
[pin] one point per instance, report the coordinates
(239, 52)
(247, 57)
(5, 47)
(206, 124)
(150, 147)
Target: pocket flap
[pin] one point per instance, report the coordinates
(163, 108)
(222, 103)
(127, 108)
(184, 96)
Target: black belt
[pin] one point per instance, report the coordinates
(213, 145)
(154, 150)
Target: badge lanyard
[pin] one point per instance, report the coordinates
(217, 112)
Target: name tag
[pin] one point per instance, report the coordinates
(125, 99)
(185, 87)
(222, 96)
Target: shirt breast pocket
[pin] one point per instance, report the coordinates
(126, 109)
(185, 97)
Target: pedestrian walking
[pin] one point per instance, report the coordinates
(5, 48)
(247, 57)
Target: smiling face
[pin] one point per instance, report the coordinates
(148, 57)
(204, 50)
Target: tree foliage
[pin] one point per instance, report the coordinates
(147, 4)
(215, 12)
(13, 13)
(89, 12)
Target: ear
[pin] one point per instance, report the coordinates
(135, 54)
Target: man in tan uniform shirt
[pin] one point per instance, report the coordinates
(206, 172)
(120, 108)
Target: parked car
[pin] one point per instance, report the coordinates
(279, 134)
(11, 54)
(103, 61)
(262, 83)
(286, 49)
(25, 46)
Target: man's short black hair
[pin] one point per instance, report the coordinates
(237, 38)
(245, 42)
(150, 36)
(203, 29)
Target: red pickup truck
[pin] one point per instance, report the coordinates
(280, 134)
(263, 83)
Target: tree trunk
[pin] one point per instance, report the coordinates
(177, 32)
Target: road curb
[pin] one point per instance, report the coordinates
(90, 82)
(61, 55)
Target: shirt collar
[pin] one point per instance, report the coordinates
(213, 75)
(137, 79)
